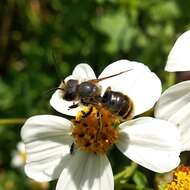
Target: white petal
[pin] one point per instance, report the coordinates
(174, 106)
(44, 125)
(62, 106)
(47, 143)
(179, 56)
(150, 142)
(139, 83)
(83, 72)
(87, 171)
(21, 147)
(17, 161)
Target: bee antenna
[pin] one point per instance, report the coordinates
(55, 63)
(100, 79)
(52, 90)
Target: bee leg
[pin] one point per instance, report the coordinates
(87, 113)
(85, 101)
(108, 89)
(72, 148)
(73, 106)
(99, 117)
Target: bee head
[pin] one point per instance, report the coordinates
(70, 90)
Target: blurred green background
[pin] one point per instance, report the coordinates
(97, 32)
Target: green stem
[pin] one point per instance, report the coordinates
(171, 79)
(127, 172)
(122, 177)
(12, 121)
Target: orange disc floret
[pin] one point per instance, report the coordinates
(95, 130)
(181, 179)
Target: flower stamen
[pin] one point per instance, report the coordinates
(95, 129)
(181, 179)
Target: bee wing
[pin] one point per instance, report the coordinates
(140, 84)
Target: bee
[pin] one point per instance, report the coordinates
(89, 93)
(85, 92)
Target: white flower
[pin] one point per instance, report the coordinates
(179, 56)
(174, 103)
(174, 106)
(140, 84)
(19, 156)
(152, 143)
(19, 161)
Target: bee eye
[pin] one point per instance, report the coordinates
(70, 94)
(72, 83)
(71, 90)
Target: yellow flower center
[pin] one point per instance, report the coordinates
(181, 179)
(95, 129)
(23, 156)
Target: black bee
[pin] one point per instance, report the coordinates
(89, 93)
(85, 92)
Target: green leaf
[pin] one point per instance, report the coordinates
(140, 180)
(113, 24)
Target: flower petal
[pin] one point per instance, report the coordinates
(150, 142)
(179, 56)
(21, 147)
(139, 83)
(48, 144)
(174, 106)
(81, 72)
(17, 161)
(62, 106)
(86, 171)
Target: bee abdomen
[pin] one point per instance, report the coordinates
(118, 103)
